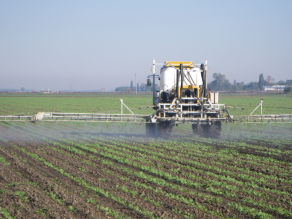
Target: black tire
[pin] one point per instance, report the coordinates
(214, 130)
(198, 129)
(151, 130)
(164, 130)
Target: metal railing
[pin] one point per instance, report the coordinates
(15, 118)
(280, 118)
(94, 117)
(138, 118)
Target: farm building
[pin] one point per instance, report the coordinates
(274, 88)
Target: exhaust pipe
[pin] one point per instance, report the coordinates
(203, 74)
(177, 78)
(181, 79)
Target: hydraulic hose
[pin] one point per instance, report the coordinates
(181, 80)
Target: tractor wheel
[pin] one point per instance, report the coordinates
(151, 130)
(214, 130)
(198, 129)
(165, 129)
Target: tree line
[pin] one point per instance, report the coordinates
(140, 87)
(220, 83)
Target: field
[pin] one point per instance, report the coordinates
(28, 103)
(110, 170)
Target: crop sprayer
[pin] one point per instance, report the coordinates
(182, 98)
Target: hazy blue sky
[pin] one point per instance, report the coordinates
(95, 44)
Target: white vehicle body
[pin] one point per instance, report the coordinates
(168, 78)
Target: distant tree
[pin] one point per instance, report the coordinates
(144, 87)
(251, 86)
(261, 81)
(240, 85)
(219, 83)
(22, 89)
(131, 85)
(281, 82)
(237, 86)
(234, 86)
(289, 82)
(287, 89)
(219, 78)
(119, 89)
(141, 87)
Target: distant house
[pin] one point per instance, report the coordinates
(274, 88)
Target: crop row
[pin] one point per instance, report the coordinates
(179, 167)
(198, 155)
(163, 183)
(86, 185)
(178, 163)
(51, 194)
(202, 151)
(208, 198)
(277, 210)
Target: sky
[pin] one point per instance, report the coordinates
(89, 45)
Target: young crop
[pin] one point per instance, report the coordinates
(159, 192)
(2, 191)
(184, 181)
(88, 186)
(228, 194)
(90, 200)
(2, 160)
(251, 211)
(5, 213)
(112, 212)
(41, 211)
(55, 197)
(221, 171)
(199, 174)
(21, 195)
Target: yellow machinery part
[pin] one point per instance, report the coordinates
(190, 87)
(177, 64)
